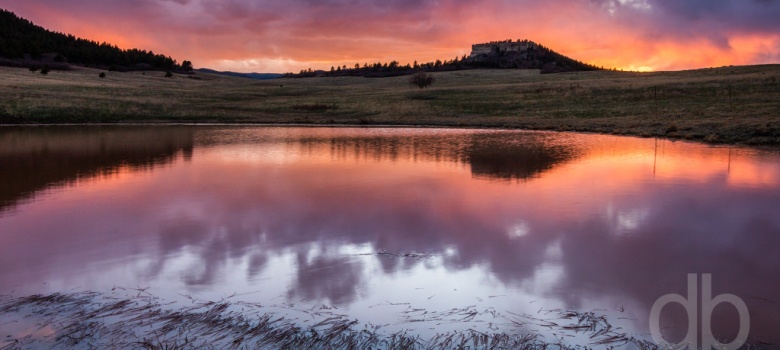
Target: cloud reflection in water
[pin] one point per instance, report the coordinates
(579, 221)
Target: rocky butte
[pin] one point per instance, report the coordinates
(522, 54)
(500, 46)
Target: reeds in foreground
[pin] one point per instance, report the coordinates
(94, 320)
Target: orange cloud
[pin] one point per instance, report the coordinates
(275, 35)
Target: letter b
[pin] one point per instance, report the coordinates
(708, 304)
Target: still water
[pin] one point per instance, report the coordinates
(394, 227)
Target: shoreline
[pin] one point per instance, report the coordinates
(727, 105)
(764, 147)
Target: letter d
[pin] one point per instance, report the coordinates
(691, 305)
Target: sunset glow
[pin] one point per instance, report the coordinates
(280, 36)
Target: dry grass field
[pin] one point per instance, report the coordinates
(721, 105)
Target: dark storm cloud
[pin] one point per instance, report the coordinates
(703, 17)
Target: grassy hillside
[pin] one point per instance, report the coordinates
(730, 104)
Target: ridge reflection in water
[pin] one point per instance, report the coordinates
(512, 220)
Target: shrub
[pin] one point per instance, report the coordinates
(315, 107)
(712, 138)
(45, 70)
(102, 75)
(33, 69)
(421, 80)
(168, 74)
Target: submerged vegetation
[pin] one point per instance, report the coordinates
(721, 105)
(140, 320)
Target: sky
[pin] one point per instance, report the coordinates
(290, 35)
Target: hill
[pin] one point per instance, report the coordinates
(23, 44)
(522, 54)
(257, 76)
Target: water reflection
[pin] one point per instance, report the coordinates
(597, 221)
(36, 158)
(520, 158)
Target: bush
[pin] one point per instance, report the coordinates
(33, 69)
(168, 74)
(45, 70)
(421, 80)
(102, 75)
(316, 107)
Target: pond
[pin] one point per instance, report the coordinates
(389, 234)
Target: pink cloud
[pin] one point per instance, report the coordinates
(297, 34)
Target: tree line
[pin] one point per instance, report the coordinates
(535, 56)
(23, 43)
(387, 69)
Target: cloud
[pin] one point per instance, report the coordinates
(661, 34)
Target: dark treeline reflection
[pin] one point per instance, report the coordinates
(518, 158)
(35, 158)
(496, 155)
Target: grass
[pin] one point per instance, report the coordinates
(721, 105)
(94, 320)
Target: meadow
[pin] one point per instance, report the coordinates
(715, 105)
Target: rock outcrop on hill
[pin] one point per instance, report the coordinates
(523, 54)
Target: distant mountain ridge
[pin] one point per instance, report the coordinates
(23, 43)
(257, 76)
